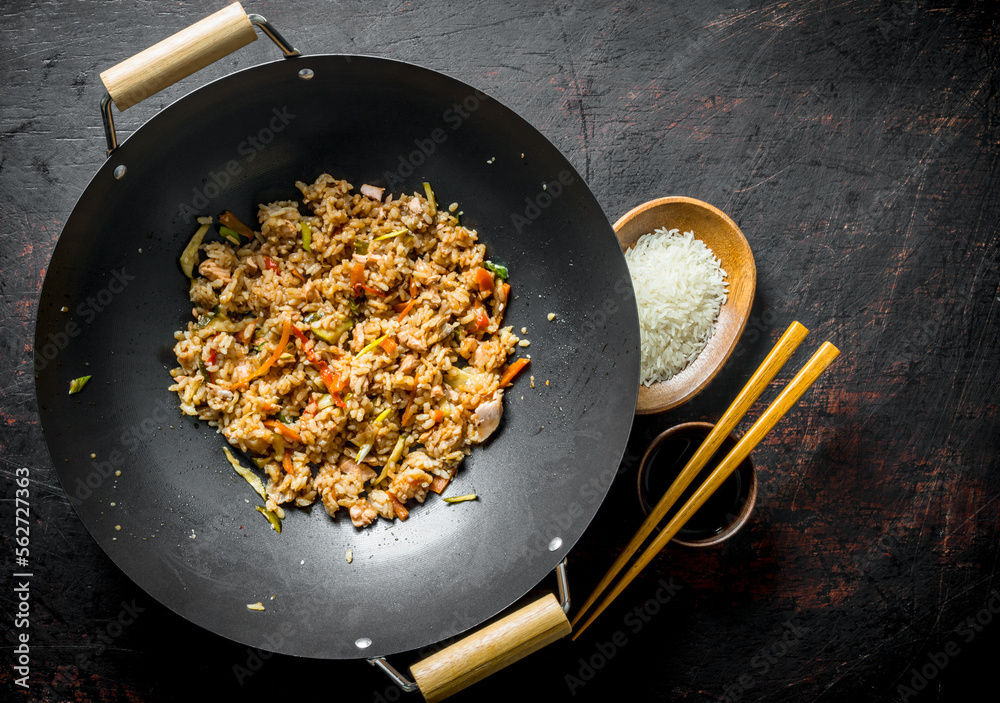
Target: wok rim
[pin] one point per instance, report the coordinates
(105, 170)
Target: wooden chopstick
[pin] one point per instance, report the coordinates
(773, 363)
(788, 397)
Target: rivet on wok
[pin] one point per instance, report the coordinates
(119, 172)
(306, 73)
(361, 642)
(555, 544)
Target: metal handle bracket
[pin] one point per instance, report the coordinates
(409, 686)
(256, 20)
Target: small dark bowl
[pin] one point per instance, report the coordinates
(725, 512)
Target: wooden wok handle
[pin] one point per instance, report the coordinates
(178, 56)
(484, 652)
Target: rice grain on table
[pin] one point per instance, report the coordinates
(680, 288)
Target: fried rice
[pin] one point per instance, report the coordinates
(354, 352)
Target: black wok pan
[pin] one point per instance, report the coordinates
(177, 520)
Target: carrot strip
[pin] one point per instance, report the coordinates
(503, 296)
(330, 379)
(232, 222)
(284, 430)
(410, 409)
(404, 309)
(286, 333)
(401, 512)
(407, 308)
(369, 289)
(484, 279)
(306, 345)
(357, 275)
(289, 433)
(334, 385)
(388, 344)
(482, 319)
(439, 484)
(286, 463)
(513, 370)
(270, 263)
(438, 416)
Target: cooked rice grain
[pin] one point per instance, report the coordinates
(335, 447)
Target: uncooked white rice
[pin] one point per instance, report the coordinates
(680, 287)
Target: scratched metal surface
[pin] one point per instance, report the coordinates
(857, 146)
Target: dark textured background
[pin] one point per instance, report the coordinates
(855, 143)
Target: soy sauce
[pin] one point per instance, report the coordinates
(722, 507)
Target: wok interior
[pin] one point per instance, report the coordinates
(189, 534)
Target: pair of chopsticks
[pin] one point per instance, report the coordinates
(788, 397)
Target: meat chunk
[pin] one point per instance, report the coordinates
(325, 484)
(357, 339)
(489, 355)
(468, 347)
(213, 271)
(410, 340)
(362, 513)
(487, 418)
(357, 473)
(408, 365)
(410, 483)
(372, 192)
(218, 397)
(413, 480)
(340, 486)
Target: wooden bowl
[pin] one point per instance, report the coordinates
(720, 234)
